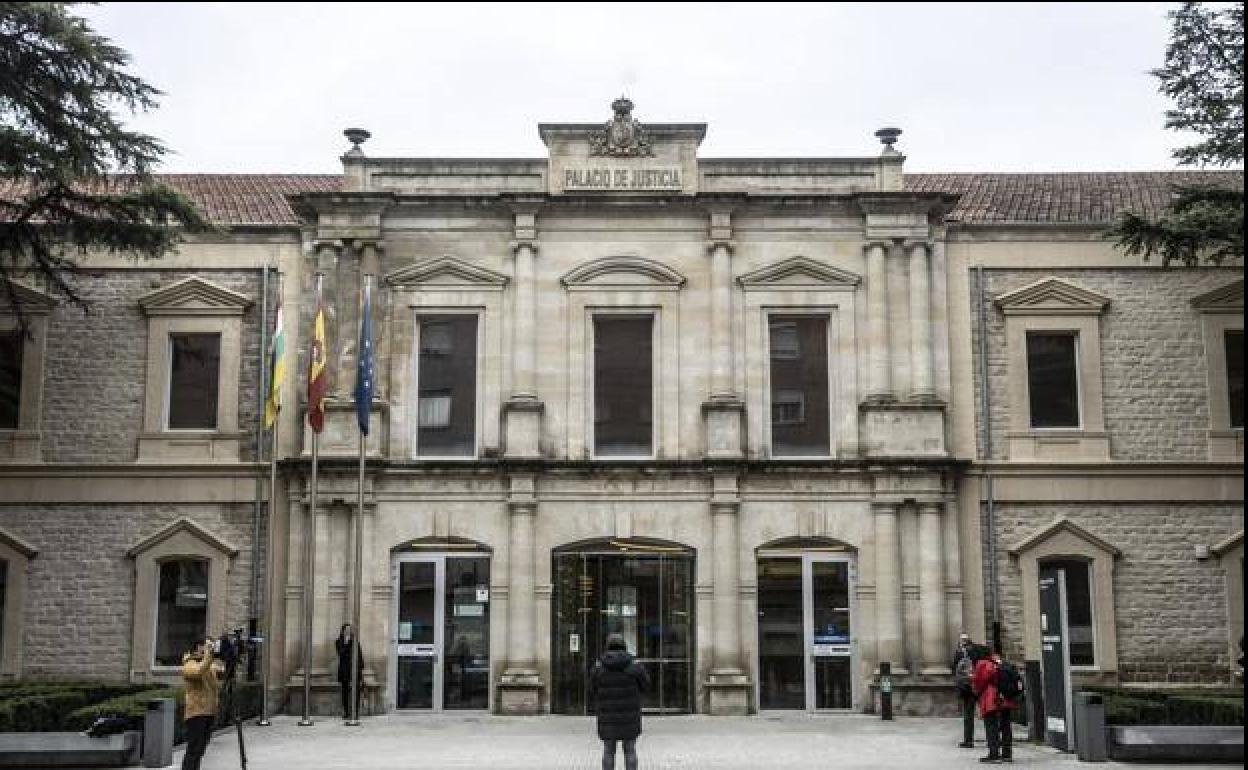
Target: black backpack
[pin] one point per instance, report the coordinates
(1009, 683)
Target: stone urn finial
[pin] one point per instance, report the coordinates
(888, 137)
(356, 136)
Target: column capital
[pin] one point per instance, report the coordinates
(881, 243)
(884, 506)
(931, 506)
(728, 245)
(911, 244)
(523, 243)
(325, 250)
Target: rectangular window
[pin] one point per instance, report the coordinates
(1052, 379)
(1079, 612)
(10, 378)
(182, 613)
(194, 365)
(1235, 375)
(799, 386)
(623, 386)
(447, 403)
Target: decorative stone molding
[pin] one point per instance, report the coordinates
(1230, 554)
(23, 443)
(1052, 304)
(1064, 539)
(1221, 311)
(15, 555)
(799, 273)
(622, 272)
(446, 273)
(183, 539)
(192, 305)
(621, 137)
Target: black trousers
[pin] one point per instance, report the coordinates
(999, 725)
(967, 701)
(198, 732)
(630, 754)
(346, 698)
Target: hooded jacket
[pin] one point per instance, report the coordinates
(202, 686)
(615, 686)
(984, 682)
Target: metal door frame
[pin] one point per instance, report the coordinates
(438, 559)
(808, 558)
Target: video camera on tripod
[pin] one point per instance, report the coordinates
(232, 649)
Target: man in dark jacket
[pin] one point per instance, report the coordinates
(962, 667)
(615, 686)
(344, 645)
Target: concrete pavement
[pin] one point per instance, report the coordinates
(458, 742)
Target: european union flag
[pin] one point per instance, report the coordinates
(364, 373)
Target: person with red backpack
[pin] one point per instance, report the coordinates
(996, 684)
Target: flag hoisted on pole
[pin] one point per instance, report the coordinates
(364, 367)
(363, 401)
(277, 368)
(316, 420)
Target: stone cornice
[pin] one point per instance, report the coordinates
(1225, 299)
(1052, 296)
(193, 296)
(31, 301)
(183, 524)
(1228, 544)
(17, 544)
(1061, 524)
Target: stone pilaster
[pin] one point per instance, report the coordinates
(523, 409)
(879, 386)
(921, 388)
(728, 685)
(520, 687)
(888, 602)
(724, 410)
(932, 589)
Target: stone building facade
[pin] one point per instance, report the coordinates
(728, 408)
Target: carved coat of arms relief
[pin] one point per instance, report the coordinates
(621, 137)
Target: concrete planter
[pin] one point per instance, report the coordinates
(69, 750)
(1178, 742)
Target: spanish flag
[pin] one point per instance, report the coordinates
(277, 370)
(316, 369)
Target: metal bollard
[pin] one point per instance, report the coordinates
(158, 727)
(1090, 744)
(886, 690)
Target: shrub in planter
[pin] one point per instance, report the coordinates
(40, 713)
(132, 708)
(1204, 710)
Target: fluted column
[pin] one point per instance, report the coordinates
(721, 321)
(888, 604)
(920, 323)
(522, 426)
(520, 685)
(932, 588)
(879, 387)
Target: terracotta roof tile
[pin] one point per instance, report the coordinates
(1056, 198)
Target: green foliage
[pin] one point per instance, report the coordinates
(1172, 706)
(45, 706)
(130, 707)
(62, 147)
(1204, 77)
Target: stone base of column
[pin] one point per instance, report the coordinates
(723, 416)
(728, 693)
(520, 692)
(935, 669)
(917, 695)
(522, 427)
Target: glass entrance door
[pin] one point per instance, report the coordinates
(805, 640)
(441, 651)
(645, 597)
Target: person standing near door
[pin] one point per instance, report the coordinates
(344, 644)
(615, 687)
(962, 668)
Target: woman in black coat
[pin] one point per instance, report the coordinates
(344, 644)
(616, 685)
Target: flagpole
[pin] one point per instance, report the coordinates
(366, 307)
(269, 566)
(309, 554)
(253, 618)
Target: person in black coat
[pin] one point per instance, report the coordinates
(615, 686)
(344, 644)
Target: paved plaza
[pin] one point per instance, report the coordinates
(446, 742)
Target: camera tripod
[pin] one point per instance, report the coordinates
(231, 707)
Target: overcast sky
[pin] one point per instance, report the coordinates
(982, 87)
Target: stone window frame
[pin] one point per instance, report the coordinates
(183, 539)
(445, 286)
(192, 305)
(1230, 555)
(24, 444)
(18, 554)
(1064, 540)
(801, 286)
(1221, 310)
(1055, 305)
(623, 285)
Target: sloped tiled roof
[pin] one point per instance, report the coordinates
(1050, 198)
(1065, 198)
